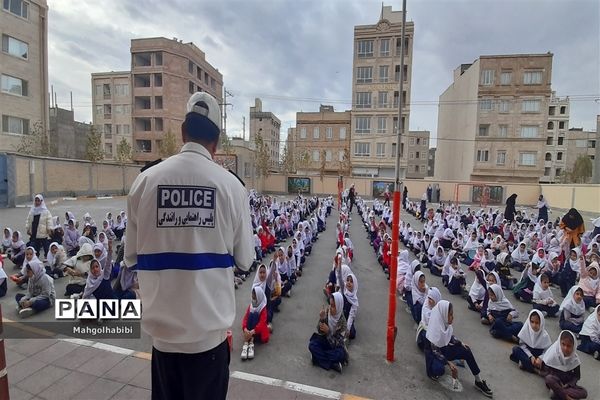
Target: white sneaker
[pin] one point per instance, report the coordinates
(250, 351)
(245, 351)
(26, 312)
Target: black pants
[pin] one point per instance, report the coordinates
(180, 376)
(39, 244)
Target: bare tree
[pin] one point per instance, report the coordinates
(262, 156)
(168, 145)
(36, 143)
(302, 158)
(94, 151)
(582, 170)
(346, 164)
(323, 164)
(124, 151)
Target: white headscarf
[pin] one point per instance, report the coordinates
(570, 305)
(538, 291)
(37, 267)
(439, 331)
(554, 357)
(351, 296)
(591, 326)
(593, 282)
(417, 295)
(257, 282)
(261, 300)
(93, 282)
(434, 294)
(339, 308)
(38, 210)
(403, 265)
(501, 303)
(533, 339)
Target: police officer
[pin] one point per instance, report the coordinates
(189, 225)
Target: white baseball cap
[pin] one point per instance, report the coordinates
(206, 105)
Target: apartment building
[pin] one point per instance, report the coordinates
(164, 73)
(267, 125)
(580, 143)
(322, 140)
(556, 141)
(375, 93)
(24, 71)
(111, 106)
(418, 153)
(493, 118)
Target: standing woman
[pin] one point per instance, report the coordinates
(509, 212)
(39, 225)
(542, 206)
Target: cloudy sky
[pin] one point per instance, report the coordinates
(297, 54)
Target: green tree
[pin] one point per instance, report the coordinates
(323, 164)
(124, 151)
(36, 143)
(582, 169)
(262, 156)
(93, 147)
(168, 146)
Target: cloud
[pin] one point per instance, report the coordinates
(298, 54)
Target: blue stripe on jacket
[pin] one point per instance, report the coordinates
(183, 261)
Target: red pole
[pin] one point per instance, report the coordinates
(391, 328)
(3, 373)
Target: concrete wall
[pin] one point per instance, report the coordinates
(62, 177)
(581, 197)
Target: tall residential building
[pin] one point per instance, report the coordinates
(556, 141)
(267, 125)
(375, 94)
(418, 154)
(493, 118)
(322, 140)
(164, 73)
(24, 70)
(580, 143)
(111, 107)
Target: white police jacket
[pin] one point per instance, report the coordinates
(188, 224)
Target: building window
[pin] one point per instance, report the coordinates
(563, 110)
(417, 155)
(559, 156)
(561, 124)
(394, 150)
(505, 77)
(502, 130)
(247, 170)
(549, 140)
(504, 106)
(343, 132)
(483, 155)
(107, 130)
(158, 80)
(362, 149)
(529, 131)
(191, 87)
(143, 146)
(122, 89)
(158, 102)
(551, 110)
(363, 125)
(380, 149)
(416, 168)
(418, 141)
(107, 110)
(484, 130)
(384, 47)
(411, 155)
(315, 155)
(191, 67)
(340, 155)
(328, 155)
(302, 133)
(547, 171)
(316, 132)
(412, 141)
(486, 105)
(14, 47)
(381, 124)
(384, 71)
(561, 141)
(158, 58)
(17, 125)
(329, 132)
(17, 7)
(501, 158)
(558, 172)
(548, 157)
(398, 45)
(363, 100)
(365, 48)
(487, 77)
(527, 159)
(550, 125)
(530, 106)
(364, 74)
(383, 100)
(424, 141)
(100, 109)
(108, 148)
(13, 85)
(532, 77)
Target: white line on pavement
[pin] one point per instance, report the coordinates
(297, 387)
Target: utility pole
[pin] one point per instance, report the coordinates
(244, 127)
(225, 104)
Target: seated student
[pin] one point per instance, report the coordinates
(327, 346)
(500, 314)
(441, 347)
(126, 285)
(503, 263)
(77, 267)
(456, 280)
(97, 284)
(492, 278)
(3, 278)
(524, 289)
(350, 293)
(562, 368)
(403, 271)
(572, 310)
(17, 250)
(6, 240)
(570, 270)
(446, 268)
(478, 259)
(553, 268)
(281, 263)
(254, 323)
(415, 266)
(590, 283)
(590, 334)
(436, 263)
(40, 290)
(22, 277)
(55, 259)
(477, 292)
(533, 341)
(433, 297)
(119, 227)
(543, 299)
(71, 242)
(419, 290)
(520, 257)
(489, 262)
